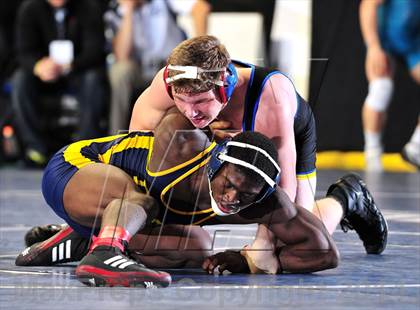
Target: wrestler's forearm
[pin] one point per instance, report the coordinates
(305, 259)
(310, 261)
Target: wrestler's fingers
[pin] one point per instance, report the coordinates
(220, 125)
(213, 264)
(205, 264)
(220, 135)
(223, 267)
(210, 264)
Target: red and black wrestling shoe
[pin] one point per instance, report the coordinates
(108, 266)
(64, 247)
(360, 212)
(41, 233)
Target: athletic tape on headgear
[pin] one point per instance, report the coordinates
(219, 158)
(225, 85)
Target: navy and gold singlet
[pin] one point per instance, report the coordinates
(131, 153)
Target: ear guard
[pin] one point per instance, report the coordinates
(219, 157)
(225, 85)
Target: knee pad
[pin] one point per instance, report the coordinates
(380, 93)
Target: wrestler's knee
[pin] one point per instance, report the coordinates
(195, 246)
(179, 246)
(199, 239)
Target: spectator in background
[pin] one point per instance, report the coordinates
(60, 44)
(391, 29)
(143, 33)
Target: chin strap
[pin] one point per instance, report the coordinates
(214, 205)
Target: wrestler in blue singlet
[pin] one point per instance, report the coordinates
(304, 123)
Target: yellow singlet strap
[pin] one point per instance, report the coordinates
(176, 181)
(185, 175)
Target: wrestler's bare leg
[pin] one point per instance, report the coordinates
(171, 246)
(99, 187)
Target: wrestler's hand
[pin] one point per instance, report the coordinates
(221, 130)
(229, 260)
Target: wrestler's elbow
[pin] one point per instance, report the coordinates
(329, 254)
(332, 259)
(332, 256)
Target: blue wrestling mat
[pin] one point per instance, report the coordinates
(388, 281)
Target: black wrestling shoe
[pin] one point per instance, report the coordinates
(108, 266)
(41, 233)
(65, 246)
(360, 212)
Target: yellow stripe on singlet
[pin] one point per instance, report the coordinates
(73, 154)
(180, 166)
(136, 142)
(179, 179)
(141, 183)
(204, 219)
(306, 176)
(182, 177)
(176, 181)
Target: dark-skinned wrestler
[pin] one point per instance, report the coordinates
(116, 186)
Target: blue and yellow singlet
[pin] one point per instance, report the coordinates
(132, 153)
